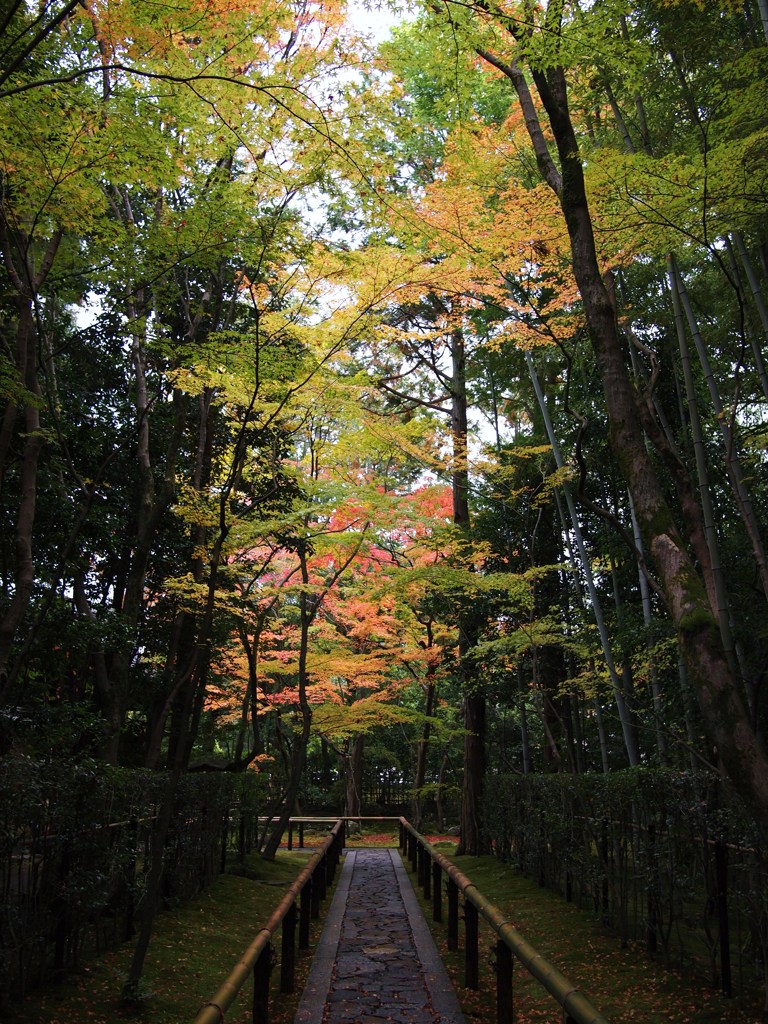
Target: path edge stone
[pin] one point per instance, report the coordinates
(442, 993)
(313, 998)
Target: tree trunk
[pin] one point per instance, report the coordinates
(353, 802)
(525, 744)
(421, 758)
(152, 504)
(25, 520)
(150, 897)
(472, 839)
(725, 421)
(762, 309)
(27, 282)
(685, 594)
(645, 596)
(301, 739)
(439, 806)
(713, 572)
(423, 747)
(722, 710)
(628, 730)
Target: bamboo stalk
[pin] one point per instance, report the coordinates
(630, 741)
(733, 465)
(718, 596)
(762, 310)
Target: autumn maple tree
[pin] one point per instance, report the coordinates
(547, 242)
(397, 411)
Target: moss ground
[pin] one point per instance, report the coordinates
(623, 984)
(195, 947)
(192, 951)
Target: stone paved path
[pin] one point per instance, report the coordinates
(376, 961)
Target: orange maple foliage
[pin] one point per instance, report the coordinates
(366, 643)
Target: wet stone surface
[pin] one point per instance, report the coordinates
(377, 976)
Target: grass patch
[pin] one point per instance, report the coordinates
(623, 984)
(376, 836)
(193, 949)
(368, 836)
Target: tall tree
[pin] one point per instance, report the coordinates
(541, 42)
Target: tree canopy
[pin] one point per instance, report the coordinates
(385, 416)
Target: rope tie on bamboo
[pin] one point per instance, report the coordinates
(568, 995)
(215, 1007)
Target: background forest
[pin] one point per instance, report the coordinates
(379, 424)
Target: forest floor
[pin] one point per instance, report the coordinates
(624, 985)
(193, 950)
(196, 946)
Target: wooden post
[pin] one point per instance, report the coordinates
(471, 955)
(505, 1009)
(427, 881)
(315, 895)
(330, 866)
(453, 915)
(288, 951)
(437, 896)
(305, 913)
(321, 876)
(261, 972)
(721, 881)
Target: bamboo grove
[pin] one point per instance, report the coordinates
(392, 414)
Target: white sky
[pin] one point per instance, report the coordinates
(373, 19)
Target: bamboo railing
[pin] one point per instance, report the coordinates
(430, 865)
(306, 892)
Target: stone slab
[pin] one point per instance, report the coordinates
(376, 961)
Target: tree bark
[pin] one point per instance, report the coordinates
(656, 693)
(472, 838)
(307, 612)
(628, 730)
(423, 747)
(354, 777)
(722, 710)
(27, 282)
